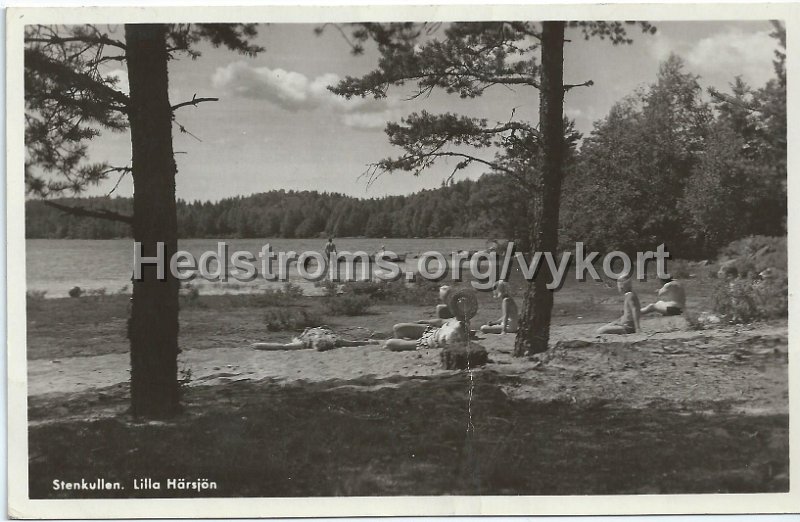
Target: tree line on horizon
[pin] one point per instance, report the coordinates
(667, 164)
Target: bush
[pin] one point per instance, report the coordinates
(744, 301)
(292, 290)
(348, 304)
(277, 297)
(678, 269)
(97, 292)
(748, 246)
(34, 299)
(35, 295)
(373, 289)
(279, 319)
(755, 253)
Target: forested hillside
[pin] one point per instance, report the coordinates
(464, 208)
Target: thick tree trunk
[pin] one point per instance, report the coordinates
(153, 327)
(537, 305)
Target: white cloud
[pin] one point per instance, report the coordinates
(122, 76)
(723, 55)
(295, 92)
(735, 52)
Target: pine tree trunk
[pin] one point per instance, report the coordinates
(537, 305)
(153, 327)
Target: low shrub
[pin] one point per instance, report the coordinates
(329, 288)
(373, 289)
(348, 304)
(34, 299)
(678, 269)
(35, 295)
(421, 293)
(292, 290)
(96, 292)
(744, 300)
(277, 297)
(752, 245)
(280, 319)
(753, 254)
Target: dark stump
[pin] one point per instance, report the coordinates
(463, 356)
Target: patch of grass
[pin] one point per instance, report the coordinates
(348, 304)
(281, 319)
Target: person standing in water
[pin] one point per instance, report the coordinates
(330, 248)
(629, 322)
(510, 318)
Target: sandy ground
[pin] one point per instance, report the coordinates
(745, 366)
(667, 410)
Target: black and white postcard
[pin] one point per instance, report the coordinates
(364, 261)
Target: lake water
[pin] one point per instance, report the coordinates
(56, 265)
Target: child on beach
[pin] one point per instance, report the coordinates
(508, 321)
(629, 322)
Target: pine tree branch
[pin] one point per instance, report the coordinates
(587, 83)
(726, 98)
(56, 40)
(194, 101)
(83, 212)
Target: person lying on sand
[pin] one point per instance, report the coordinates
(510, 318)
(629, 322)
(672, 299)
(319, 338)
(451, 332)
(462, 304)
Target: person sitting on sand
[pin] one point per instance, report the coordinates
(463, 304)
(629, 322)
(319, 338)
(443, 312)
(672, 299)
(508, 321)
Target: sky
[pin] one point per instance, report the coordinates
(276, 126)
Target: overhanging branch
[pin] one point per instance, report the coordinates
(194, 101)
(84, 212)
(587, 83)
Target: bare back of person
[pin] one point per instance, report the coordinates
(629, 321)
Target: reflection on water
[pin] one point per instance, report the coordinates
(56, 265)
